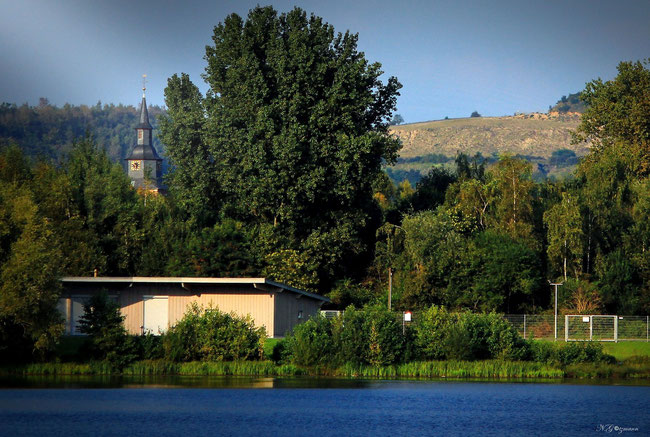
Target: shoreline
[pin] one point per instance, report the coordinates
(422, 370)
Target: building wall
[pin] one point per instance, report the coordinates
(291, 309)
(240, 299)
(259, 306)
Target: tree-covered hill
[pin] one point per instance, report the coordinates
(536, 137)
(567, 104)
(48, 131)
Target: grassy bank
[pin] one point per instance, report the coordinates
(637, 368)
(624, 350)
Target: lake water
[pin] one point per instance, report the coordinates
(316, 407)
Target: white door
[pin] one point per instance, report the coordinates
(156, 314)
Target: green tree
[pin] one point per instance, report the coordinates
(107, 339)
(30, 262)
(618, 111)
(565, 237)
(430, 190)
(104, 200)
(432, 250)
(514, 206)
(496, 272)
(295, 131)
(192, 177)
(397, 119)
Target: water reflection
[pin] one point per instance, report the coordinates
(247, 382)
(176, 381)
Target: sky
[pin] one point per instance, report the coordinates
(452, 57)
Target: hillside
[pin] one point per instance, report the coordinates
(535, 136)
(531, 135)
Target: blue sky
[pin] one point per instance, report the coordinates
(453, 57)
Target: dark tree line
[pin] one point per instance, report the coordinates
(47, 131)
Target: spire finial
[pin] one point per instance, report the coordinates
(144, 84)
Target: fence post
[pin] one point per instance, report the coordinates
(647, 328)
(566, 328)
(616, 329)
(591, 328)
(524, 326)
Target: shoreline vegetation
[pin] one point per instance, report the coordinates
(636, 368)
(368, 344)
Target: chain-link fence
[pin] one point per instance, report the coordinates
(574, 327)
(569, 327)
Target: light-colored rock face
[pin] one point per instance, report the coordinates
(533, 134)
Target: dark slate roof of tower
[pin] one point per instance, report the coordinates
(144, 151)
(144, 116)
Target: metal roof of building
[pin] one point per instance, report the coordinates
(186, 280)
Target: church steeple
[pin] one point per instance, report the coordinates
(144, 114)
(144, 164)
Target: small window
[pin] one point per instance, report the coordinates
(140, 134)
(299, 315)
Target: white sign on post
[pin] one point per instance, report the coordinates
(585, 319)
(407, 316)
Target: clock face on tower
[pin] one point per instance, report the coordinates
(135, 165)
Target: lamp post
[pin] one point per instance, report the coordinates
(390, 230)
(555, 328)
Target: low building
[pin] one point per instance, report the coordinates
(153, 304)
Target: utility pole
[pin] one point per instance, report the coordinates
(555, 329)
(390, 231)
(390, 287)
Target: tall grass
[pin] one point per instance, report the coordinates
(635, 368)
(455, 369)
(161, 367)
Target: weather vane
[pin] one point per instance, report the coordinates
(144, 84)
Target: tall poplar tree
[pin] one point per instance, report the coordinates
(292, 133)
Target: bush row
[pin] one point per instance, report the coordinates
(375, 336)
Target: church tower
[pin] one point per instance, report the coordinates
(144, 164)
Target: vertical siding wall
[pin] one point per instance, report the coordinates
(258, 305)
(277, 312)
(132, 310)
(287, 308)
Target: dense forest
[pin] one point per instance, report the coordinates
(277, 172)
(47, 131)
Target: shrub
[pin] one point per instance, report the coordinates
(504, 342)
(311, 343)
(212, 335)
(430, 328)
(276, 350)
(466, 336)
(370, 336)
(149, 346)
